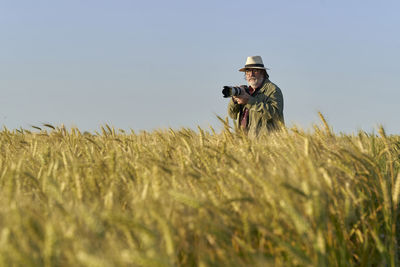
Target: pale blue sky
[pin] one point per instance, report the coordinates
(155, 64)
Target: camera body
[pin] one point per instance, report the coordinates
(230, 91)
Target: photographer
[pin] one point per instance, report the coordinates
(258, 107)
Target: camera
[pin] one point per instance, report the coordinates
(229, 91)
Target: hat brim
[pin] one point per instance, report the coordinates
(247, 68)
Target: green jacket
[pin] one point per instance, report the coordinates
(265, 109)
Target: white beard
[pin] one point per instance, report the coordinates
(254, 83)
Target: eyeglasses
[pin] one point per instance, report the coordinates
(255, 71)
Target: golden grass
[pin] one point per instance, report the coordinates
(198, 198)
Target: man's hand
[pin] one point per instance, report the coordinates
(242, 99)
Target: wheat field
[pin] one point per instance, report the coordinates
(198, 198)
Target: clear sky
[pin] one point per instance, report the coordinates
(145, 65)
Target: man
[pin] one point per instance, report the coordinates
(258, 109)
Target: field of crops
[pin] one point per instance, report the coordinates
(198, 198)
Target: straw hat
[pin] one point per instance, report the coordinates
(254, 62)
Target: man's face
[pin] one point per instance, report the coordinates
(254, 77)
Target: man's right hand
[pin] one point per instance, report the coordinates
(241, 99)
